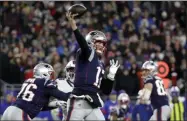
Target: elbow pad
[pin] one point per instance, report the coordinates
(146, 94)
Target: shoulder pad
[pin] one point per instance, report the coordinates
(157, 78)
(51, 84)
(40, 79)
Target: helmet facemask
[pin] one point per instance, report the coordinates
(97, 40)
(149, 68)
(70, 74)
(123, 101)
(99, 46)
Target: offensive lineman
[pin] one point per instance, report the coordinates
(66, 85)
(34, 95)
(154, 90)
(85, 101)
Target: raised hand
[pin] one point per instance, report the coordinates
(71, 20)
(113, 69)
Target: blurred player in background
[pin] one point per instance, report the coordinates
(174, 91)
(122, 111)
(35, 94)
(177, 113)
(85, 102)
(112, 101)
(154, 90)
(66, 85)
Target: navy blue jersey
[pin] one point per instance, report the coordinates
(159, 96)
(35, 94)
(89, 72)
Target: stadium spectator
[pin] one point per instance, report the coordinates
(9, 98)
(177, 105)
(109, 104)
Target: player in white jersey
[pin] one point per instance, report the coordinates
(65, 85)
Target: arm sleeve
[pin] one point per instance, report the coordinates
(52, 90)
(46, 108)
(106, 86)
(82, 43)
(59, 94)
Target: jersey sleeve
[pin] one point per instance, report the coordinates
(52, 90)
(106, 86)
(46, 108)
(50, 84)
(85, 50)
(148, 80)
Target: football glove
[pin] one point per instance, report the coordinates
(113, 69)
(57, 103)
(61, 104)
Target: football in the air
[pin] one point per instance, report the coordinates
(78, 9)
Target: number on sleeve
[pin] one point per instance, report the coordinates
(98, 80)
(160, 88)
(27, 94)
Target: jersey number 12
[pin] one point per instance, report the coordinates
(26, 93)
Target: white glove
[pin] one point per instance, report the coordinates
(61, 104)
(113, 69)
(57, 103)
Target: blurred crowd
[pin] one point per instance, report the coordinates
(31, 32)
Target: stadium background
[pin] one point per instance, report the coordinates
(31, 32)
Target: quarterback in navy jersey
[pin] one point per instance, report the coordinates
(85, 101)
(154, 90)
(35, 94)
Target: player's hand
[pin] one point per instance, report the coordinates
(140, 93)
(71, 20)
(113, 69)
(61, 104)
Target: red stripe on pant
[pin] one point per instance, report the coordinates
(25, 117)
(72, 101)
(159, 114)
